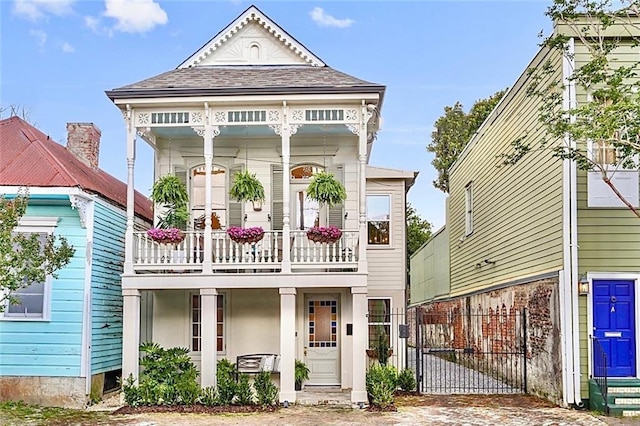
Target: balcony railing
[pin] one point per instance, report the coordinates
(226, 254)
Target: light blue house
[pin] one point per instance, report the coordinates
(63, 344)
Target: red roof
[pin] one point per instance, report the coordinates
(28, 157)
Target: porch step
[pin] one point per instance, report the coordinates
(329, 395)
(623, 397)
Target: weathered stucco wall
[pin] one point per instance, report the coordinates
(66, 392)
(490, 322)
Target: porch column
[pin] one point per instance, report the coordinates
(207, 264)
(362, 180)
(131, 158)
(286, 131)
(208, 336)
(287, 344)
(360, 334)
(130, 332)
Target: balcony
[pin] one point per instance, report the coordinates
(227, 255)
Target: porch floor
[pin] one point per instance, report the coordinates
(324, 395)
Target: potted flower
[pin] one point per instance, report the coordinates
(246, 187)
(326, 189)
(245, 235)
(301, 374)
(172, 194)
(324, 234)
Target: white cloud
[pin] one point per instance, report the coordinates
(135, 16)
(36, 9)
(92, 23)
(40, 36)
(67, 48)
(323, 19)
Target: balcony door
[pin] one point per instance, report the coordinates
(218, 196)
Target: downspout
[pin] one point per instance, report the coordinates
(573, 177)
(566, 276)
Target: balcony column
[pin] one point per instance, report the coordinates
(287, 344)
(360, 336)
(208, 336)
(362, 181)
(131, 159)
(286, 130)
(130, 333)
(209, 133)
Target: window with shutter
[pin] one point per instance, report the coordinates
(276, 198)
(235, 207)
(336, 213)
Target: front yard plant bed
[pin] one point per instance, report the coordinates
(196, 409)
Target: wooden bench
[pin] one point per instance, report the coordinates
(255, 363)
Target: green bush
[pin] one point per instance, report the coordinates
(244, 392)
(209, 397)
(407, 380)
(168, 377)
(266, 391)
(227, 386)
(382, 382)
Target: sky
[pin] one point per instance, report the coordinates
(58, 57)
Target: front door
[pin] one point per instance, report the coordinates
(613, 324)
(322, 346)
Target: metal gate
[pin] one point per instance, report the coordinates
(470, 352)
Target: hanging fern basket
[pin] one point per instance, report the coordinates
(246, 187)
(326, 189)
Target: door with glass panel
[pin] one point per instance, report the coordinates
(322, 343)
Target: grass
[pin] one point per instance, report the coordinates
(19, 413)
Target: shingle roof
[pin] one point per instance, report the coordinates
(28, 157)
(226, 80)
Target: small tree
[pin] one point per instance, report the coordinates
(601, 132)
(452, 133)
(418, 230)
(25, 259)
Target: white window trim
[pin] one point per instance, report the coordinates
(390, 323)
(468, 209)
(225, 324)
(33, 225)
(381, 246)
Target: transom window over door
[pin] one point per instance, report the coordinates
(378, 219)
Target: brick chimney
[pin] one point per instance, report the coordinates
(83, 141)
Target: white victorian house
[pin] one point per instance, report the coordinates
(254, 98)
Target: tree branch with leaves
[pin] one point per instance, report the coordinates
(600, 132)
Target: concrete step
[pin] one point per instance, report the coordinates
(623, 390)
(624, 410)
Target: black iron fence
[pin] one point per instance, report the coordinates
(470, 352)
(600, 371)
(388, 334)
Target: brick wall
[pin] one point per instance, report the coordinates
(83, 141)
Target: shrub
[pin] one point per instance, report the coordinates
(227, 386)
(168, 377)
(209, 397)
(266, 391)
(382, 382)
(244, 392)
(406, 380)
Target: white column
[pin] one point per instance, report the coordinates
(360, 333)
(207, 264)
(131, 158)
(130, 332)
(286, 197)
(287, 344)
(208, 336)
(362, 157)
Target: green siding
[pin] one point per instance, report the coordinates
(106, 291)
(517, 209)
(430, 269)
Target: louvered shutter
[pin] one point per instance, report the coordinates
(235, 207)
(277, 198)
(336, 213)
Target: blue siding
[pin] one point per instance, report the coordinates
(51, 348)
(106, 292)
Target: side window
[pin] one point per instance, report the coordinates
(196, 323)
(379, 319)
(624, 179)
(33, 301)
(468, 209)
(378, 219)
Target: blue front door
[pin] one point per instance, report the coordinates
(613, 325)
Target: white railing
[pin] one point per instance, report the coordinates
(307, 253)
(150, 255)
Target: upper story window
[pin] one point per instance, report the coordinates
(468, 209)
(378, 219)
(33, 301)
(622, 172)
(304, 172)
